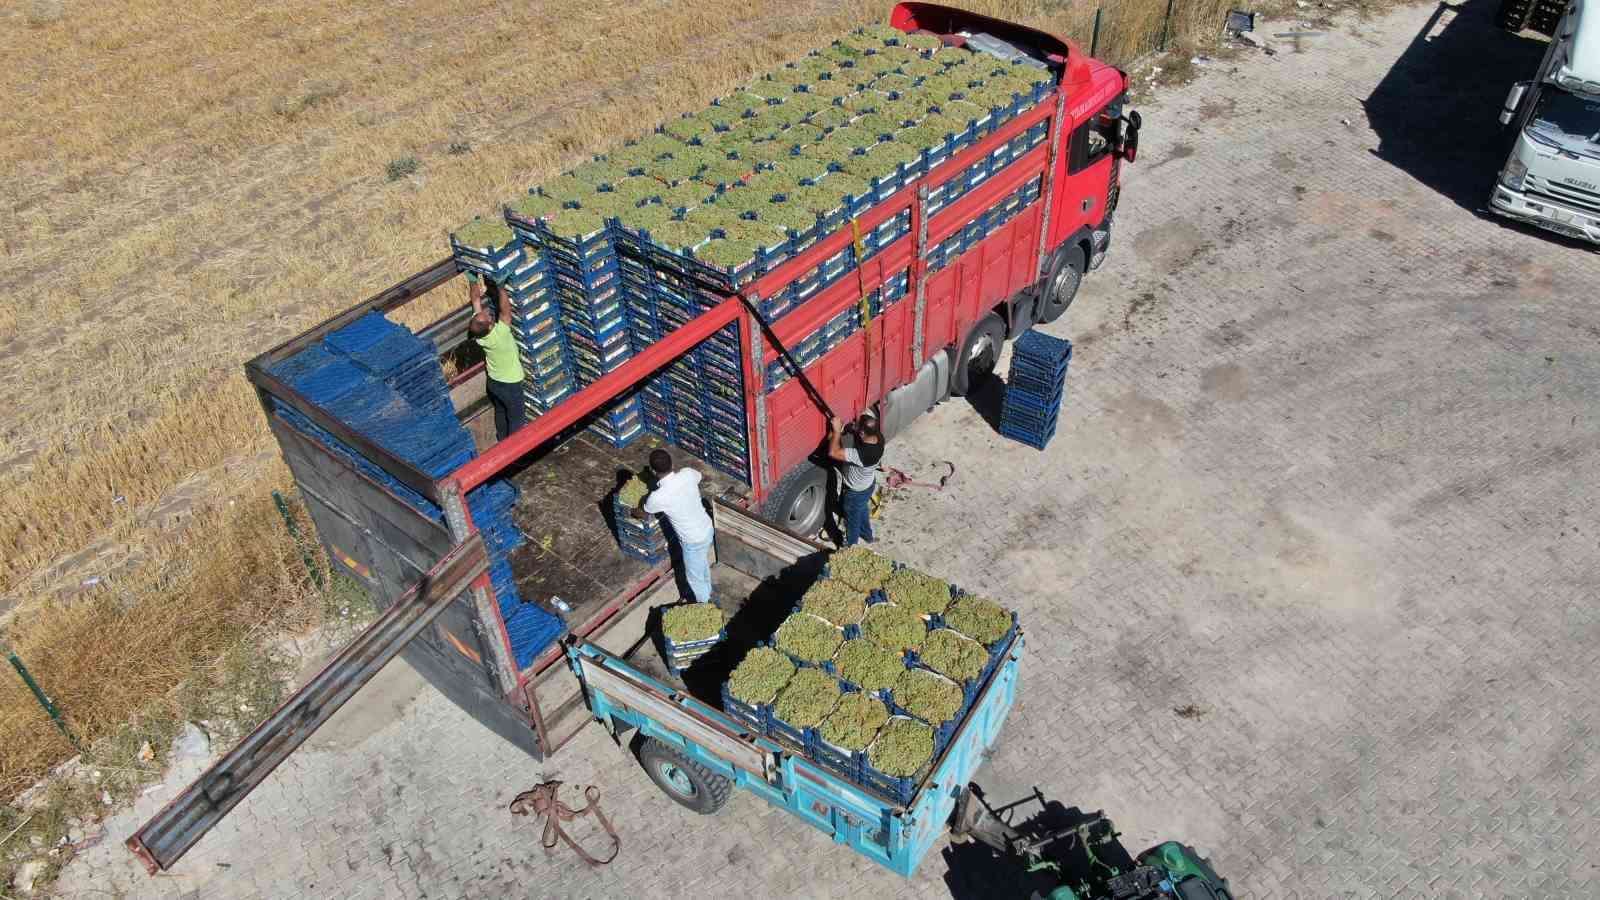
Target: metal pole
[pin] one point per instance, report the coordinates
(1166, 24)
(1094, 39)
(294, 532)
(46, 702)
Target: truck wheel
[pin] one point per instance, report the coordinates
(978, 354)
(800, 501)
(694, 786)
(1062, 287)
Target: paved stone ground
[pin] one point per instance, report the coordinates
(1327, 474)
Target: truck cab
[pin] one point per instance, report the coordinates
(1551, 178)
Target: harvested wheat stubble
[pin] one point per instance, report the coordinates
(692, 622)
(860, 568)
(760, 675)
(808, 637)
(952, 654)
(903, 746)
(835, 601)
(863, 663)
(918, 592)
(981, 619)
(928, 696)
(855, 721)
(893, 628)
(807, 699)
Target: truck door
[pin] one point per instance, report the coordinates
(1089, 170)
(170, 833)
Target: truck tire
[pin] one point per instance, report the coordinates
(800, 502)
(1061, 288)
(978, 354)
(694, 786)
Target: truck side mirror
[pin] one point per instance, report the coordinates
(1130, 135)
(1513, 100)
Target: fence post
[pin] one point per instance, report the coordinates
(1094, 38)
(45, 702)
(1166, 24)
(294, 532)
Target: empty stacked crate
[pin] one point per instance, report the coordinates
(582, 256)
(384, 382)
(1037, 384)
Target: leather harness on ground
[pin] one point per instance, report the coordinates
(542, 801)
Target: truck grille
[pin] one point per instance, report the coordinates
(1577, 197)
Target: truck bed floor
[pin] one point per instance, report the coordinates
(566, 512)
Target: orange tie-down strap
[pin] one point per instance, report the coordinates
(542, 802)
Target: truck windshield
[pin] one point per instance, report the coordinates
(1569, 121)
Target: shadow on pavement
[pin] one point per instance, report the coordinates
(1436, 112)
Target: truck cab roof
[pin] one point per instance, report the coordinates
(1577, 66)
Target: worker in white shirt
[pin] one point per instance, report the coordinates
(677, 496)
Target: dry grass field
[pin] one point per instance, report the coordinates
(186, 184)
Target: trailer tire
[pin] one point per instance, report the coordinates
(800, 502)
(1061, 288)
(978, 355)
(691, 784)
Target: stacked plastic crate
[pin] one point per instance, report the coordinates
(1035, 389)
(386, 383)
(582, 256)
(727, 194)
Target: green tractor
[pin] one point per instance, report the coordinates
(1066, 856)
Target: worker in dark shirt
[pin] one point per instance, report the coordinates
(502, 361)
(858, 473)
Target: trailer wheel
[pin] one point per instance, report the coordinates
(694, 786)
(1061, 288)
(800, 501)
(978, 355)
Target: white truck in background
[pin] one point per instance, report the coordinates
(1552, 176)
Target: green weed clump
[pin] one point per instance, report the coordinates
(928, 696)
(903, 746)
(923, 42)
(808, 637)
(860, 568)
(861, 662)
(692, 622)
(953, 655)
(807, 699)
(831, 117)
(835, 601)
(760, 675)
(893, 628)
(855, 721)
(486, 233)
(918, 592)
(982, 620)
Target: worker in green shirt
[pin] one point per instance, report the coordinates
(500, 355)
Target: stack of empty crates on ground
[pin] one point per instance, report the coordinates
(641, 240)
(386, 383)
(1033, 395)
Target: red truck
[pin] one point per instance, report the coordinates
(1047, 213)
